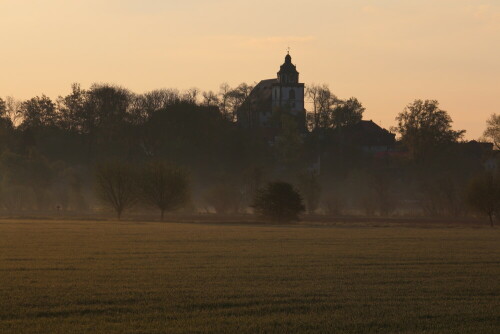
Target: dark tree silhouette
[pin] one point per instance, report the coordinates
(323, 102)
(425, 128)
(116, 186)
(3, 108)
(38, 112)
(72, 110)
(279, 201)
(164, 186)
(346, 113)
(492, 131)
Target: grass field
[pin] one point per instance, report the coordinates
(127, 277)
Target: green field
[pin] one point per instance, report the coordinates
(129, 277)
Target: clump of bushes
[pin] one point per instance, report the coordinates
(279, 201)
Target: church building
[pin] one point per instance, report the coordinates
(269, 98)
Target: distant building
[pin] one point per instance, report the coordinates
(271, 96)
(370, 137)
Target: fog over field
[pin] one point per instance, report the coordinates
(217, 166)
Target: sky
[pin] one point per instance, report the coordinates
(386, 53)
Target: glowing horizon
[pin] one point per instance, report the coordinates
(386, 53)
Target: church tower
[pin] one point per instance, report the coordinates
(283, 94)
(288, 93)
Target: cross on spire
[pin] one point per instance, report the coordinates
(288, 50)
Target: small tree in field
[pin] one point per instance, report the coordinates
(483, 195)
(116, 186)
(164, 187)
(279, 201)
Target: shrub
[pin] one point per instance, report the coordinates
(279, 201)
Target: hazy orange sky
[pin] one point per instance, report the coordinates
(386, 53)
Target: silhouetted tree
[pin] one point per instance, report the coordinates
(12, 110)
(425, 128)
(6, 133)
(224, 99)
(236, 99)
(143, 106)
(191, 95)
(106, 107)
(38, 112)
(72, 109)
(163, 186)
(279, 201)
(483, 195)
(346, 113)
(323, 101)
(492, 131)
(116, 186)
(3, 108)
(210, 99)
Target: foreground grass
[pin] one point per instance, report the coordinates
(125, 277)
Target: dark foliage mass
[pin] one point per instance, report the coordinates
(279, 201)
(50, 151)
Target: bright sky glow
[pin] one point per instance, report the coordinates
(386, 52)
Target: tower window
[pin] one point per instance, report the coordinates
(291, 94)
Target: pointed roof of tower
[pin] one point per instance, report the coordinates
(287, 66)
(288, 72)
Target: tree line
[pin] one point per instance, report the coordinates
(51, 152)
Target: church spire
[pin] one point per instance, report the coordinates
(288, 72)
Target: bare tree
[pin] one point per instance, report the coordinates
(323, 101)
(12, 110)
(210, 99)
(144, 105)
(116, 186)
(224, 101)
(191, 95)
(312, 93)
(164, 186)
(483, 195)
(492, 131)
(237, 97)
